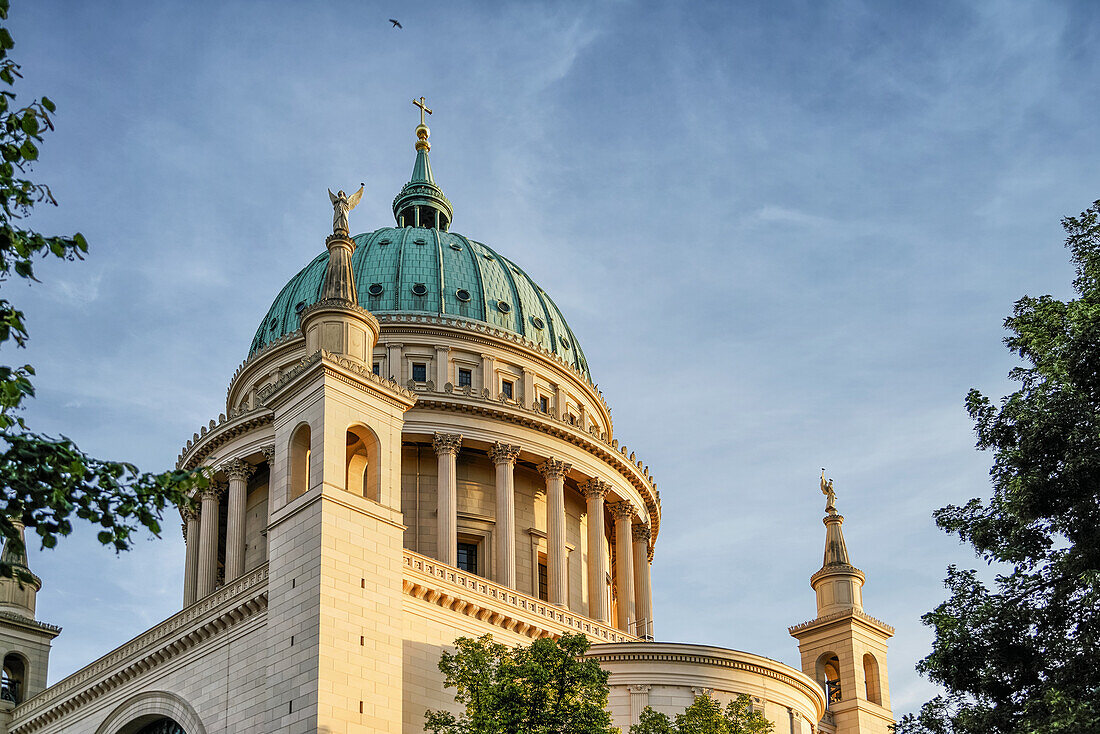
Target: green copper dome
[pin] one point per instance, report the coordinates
(417, 271)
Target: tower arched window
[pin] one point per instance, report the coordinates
(300, 444)
(871, 677)
(14, 678)
(363, 471)
(828, 675)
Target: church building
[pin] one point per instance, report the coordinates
(414, 450)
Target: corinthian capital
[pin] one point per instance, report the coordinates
(554, 468)
(214, 491)
(503, 453)
(640, 532)
(237, 469)
(621, 510)
(595, 488)
(447, 443)
(269, 453)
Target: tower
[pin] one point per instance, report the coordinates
(24, 641)
(843, 648)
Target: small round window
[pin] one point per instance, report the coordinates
(487, 256)
(565, 342)
(301, 306)
(375, 289)
(538, 323)
(456, 247)
(503, 307)
(462, 294)
(419, 289)
(274, 323)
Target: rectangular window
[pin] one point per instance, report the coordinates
(420, 372)
(544, 584)
(467, 557)
(377, 369)
(544, 404)
(465, 378)
(506, 389)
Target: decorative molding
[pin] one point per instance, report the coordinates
(447, 443)
(841, 615)
(699, 691)
(227, 607)
(640, 688)
(466, 593)
(32, 624)
(210, 437)
(554, 468)
(639, 532)
(504, 453)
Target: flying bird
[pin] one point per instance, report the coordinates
(396, 24)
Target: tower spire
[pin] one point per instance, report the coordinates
(421, 202)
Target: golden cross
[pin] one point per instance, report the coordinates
(423, 108)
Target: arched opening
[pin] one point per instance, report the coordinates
(828, 675)
(870, 676)
(13, 681)
(299, 461)
(362, 470)
(161, 726)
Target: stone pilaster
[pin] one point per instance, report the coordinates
(447, 446)
(594, 492)
(238, 472)
(208, 541)
(641, 536)
(555, 470)
(623, 512)
(504, 458)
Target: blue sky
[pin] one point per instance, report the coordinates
(786, 234)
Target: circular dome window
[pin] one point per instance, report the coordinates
(462, 294)
(456, 247)
(565, 342)
(375, 289)
(274, 323)
(301, 306)
(419, 289)
(503, 307)
(538, 323)
(487, 256)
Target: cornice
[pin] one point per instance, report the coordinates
(32, 625)
(855, 614)
(229, 606)
(216, 433)
(469, 594)
(711, 657)
(352, 373)
(610, 452)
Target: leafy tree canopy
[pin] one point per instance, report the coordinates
(547, 687)
(45, 481)
(1022, 654)
(706, 716)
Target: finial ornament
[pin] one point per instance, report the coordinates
(341, 205)
(830, 494)
(422, 131)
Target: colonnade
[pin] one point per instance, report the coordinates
(201, 527)
(631, 548)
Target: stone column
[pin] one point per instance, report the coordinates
(641, 535)
(238, 473)
(594, 491)
(556, 571)
(504, 457)
(191, 564)
(208, 541)
(393, 361)
(446, 448)
(623, 512)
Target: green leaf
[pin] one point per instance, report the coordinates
(48, 104)
(28, 151)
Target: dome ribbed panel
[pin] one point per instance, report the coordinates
(393, 259)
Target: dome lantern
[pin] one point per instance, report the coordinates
(421, 203)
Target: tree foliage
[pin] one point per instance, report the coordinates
(1022, 654)
(706, 716)
(547, 687)
(44, 481)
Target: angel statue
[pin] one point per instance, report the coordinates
(341, 205)
(827, 490)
